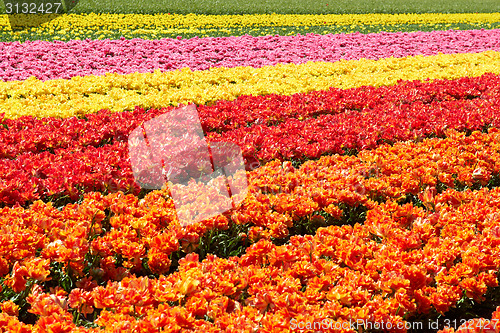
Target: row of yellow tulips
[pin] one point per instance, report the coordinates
(137, 21)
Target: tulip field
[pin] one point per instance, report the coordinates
(371, 145)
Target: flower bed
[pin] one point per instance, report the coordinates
(404, 260)
(373, 184)
(98, 57)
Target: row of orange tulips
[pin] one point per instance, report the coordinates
(404, 261)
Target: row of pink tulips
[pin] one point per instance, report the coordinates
(53, 60)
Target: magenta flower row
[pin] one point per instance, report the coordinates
(55, 60)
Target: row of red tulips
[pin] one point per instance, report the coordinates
(29, 134)
(339, 133)
(403, 262)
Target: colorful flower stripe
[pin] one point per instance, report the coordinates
(427, 243)
(106, 22)
(29, 134)
(53, 60)
(64, 98)
(403, 262)
(34, 176)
